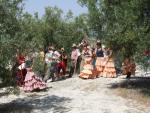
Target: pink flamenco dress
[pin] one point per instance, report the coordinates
(87, 72)
(32, 82)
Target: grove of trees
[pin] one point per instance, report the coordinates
(23, 31)
(122, 24)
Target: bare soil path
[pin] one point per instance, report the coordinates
(72, 95)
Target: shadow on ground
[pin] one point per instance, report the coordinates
(3, 93)
(142, 84)
(41, 104)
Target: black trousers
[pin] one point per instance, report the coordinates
(72, 69)
(128, 75)
(78, 64)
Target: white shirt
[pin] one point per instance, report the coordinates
(56, 54)
(48, 56)
(78, 52)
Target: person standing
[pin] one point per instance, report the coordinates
(87, 72)
(63, 62)
(32, 81)
(21, 73)
(99, 59)
(48, 61)
(78, 60)
(74, 57)
(109, 69)
(94, 61)
(42, 54)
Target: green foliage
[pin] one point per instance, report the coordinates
(122, 24)
(26, 32)
(38, 66)
(9, 34)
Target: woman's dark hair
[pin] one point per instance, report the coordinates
(98, 44)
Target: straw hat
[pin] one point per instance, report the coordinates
(88, 47)
(52, 47)
(62, 49)
(98, 41)
(81, 43)
(74, 45)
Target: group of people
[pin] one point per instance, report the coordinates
(96, 61)
(56, 63)
(55, 68)
(87, 61)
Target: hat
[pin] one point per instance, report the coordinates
(74, 45)
(81, 43)
(52, 47)
(62, 49)
(98, 41)
(88, 47)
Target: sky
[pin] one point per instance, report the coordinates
(32, 6)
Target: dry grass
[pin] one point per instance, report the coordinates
(137, 89)
(134, 95)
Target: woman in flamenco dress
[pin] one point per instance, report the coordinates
(32, 81)
(87, 71)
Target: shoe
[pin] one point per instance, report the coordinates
(64, 77)
(97, 76)
(127, 77)
(70, 76)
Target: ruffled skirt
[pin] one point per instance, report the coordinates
(88, 71)
(100, 63)
(109, 69)
(33, 82)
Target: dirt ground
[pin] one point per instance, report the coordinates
(72, 95)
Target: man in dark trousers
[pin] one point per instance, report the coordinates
(74, 57)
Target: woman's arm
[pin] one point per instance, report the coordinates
(110, 53)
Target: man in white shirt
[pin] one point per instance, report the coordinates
(74, 57)
(48, 61)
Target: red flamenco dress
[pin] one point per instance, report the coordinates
(21, 73)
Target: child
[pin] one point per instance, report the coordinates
(128, 67)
